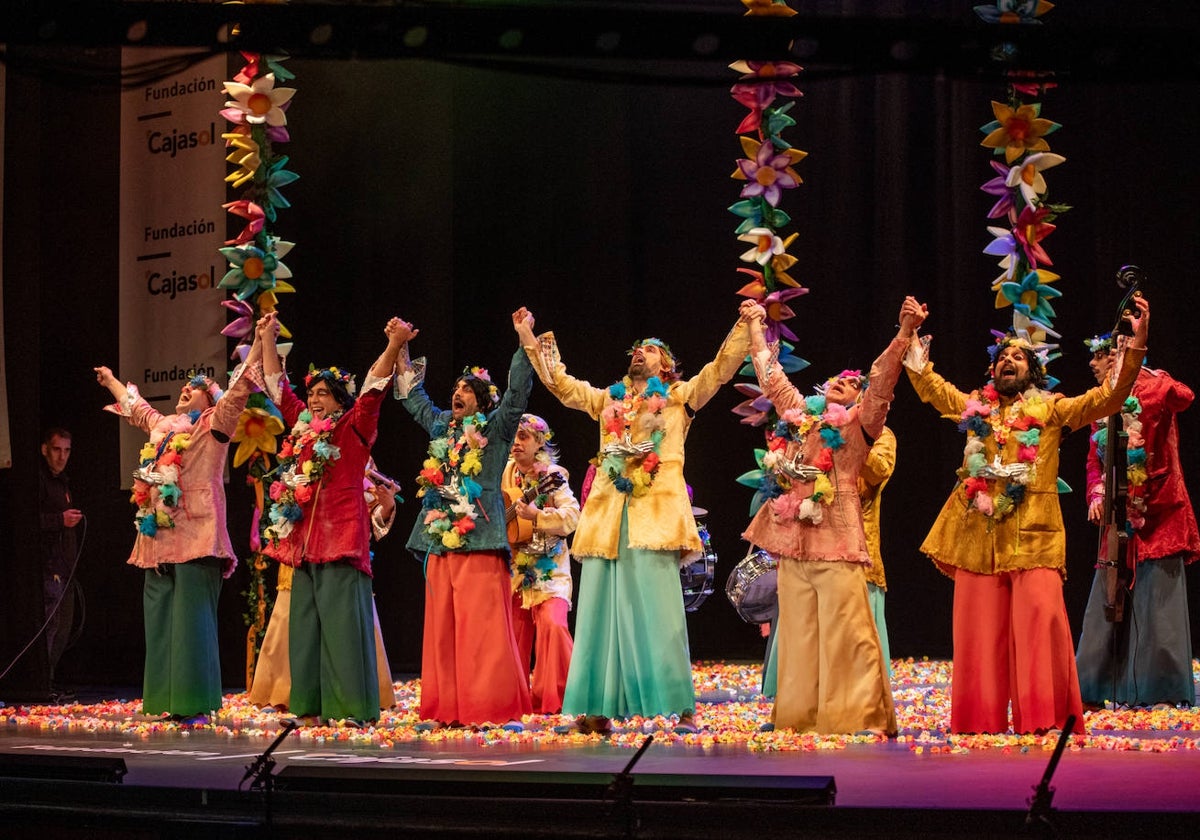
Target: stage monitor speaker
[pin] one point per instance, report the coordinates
(62, 768)
(647, 787)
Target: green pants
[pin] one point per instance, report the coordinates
(183, 663)
(331, 648)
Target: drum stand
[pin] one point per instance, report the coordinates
(620, 790)
(264, 779)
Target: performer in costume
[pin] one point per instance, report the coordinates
(880, 463)
(876, 472)
(832, 674)
(272, 686)
(320, 527)
(471, 672)
(541, 564)
(1000, 535)
(182, 541)
(631, 653)
(1146, 658)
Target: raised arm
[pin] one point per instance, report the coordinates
(105, 377)
(885, 370)
(398, 333)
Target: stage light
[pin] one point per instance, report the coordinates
(608, 41)
(321, 34)
(415, 36)
(510, 39)
(62, 768)
(706, 44)
(137, 31)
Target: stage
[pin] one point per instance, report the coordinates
(97, 767)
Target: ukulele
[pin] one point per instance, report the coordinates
(521, 530)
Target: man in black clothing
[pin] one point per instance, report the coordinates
(59, 518)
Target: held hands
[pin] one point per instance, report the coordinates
(266, 329)
(912, 315)
(523, 322)
(751, 311)
(399, 332)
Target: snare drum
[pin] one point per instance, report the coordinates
(752, 587)
(697, 572)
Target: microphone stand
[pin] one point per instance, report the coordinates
(261, 769)
(1039, 804)
(620, 789)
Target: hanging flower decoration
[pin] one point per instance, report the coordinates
(768, 91)
(256, 108)
(1014, 11)
(1017, 133)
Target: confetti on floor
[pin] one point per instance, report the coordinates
(730, 711)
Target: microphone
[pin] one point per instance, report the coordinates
(265, 760)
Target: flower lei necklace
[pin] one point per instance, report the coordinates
(1135, 461)
(995, 490)
(303, 458)
(632, 467)
(156, 490)
(795, 425)
(447, 490)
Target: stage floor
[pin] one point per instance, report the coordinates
(1123, 762)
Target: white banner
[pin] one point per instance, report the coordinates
(5, 441)
(172, 189)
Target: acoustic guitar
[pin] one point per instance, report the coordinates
(521, 530)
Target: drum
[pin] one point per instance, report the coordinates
(697, 572)
(752, 587)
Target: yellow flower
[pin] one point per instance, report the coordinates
(451, 539)
(471, 465)
(1137, 475)
(257, 430)
(1037, 408)
(1020, 130)
(181, 441)
(148, 451)
(432, 464)
(823, 489)
(163, 519)
(307, 467)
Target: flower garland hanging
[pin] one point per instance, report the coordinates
(256, 109)
(156, 490)
(303, 459)
(995, 489)
(632, 467)
(446, 484)
(768, 169)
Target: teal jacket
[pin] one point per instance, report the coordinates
(490, 533)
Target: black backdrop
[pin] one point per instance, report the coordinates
(451, 195)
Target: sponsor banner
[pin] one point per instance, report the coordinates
(5, 440)
(172, 189)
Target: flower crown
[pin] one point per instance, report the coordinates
(480, 373)
(205, 383)
(331, 375)
(655, 342)
(535, 425)
(1099, 343)
(863, 381)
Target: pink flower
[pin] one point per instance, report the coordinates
(786, 506)
(975, 407)
(434, 516)
(1028, 454)
(276, 490)
(836, 415)
(983, 504)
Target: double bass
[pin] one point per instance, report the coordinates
(1114, 535)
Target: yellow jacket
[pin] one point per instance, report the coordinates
(662, 519)
(1031, 536)
(881, 462)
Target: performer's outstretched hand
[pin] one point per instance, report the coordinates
(399, 331)
(523, 322)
